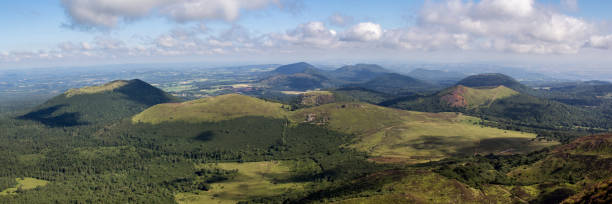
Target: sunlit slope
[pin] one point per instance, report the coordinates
(466, 97)
(390, 134)
(455, 98)
(211, 109)
(408, 136)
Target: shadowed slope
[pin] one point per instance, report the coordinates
(98, 104)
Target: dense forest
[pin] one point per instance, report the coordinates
(102, 163)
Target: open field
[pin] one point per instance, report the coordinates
(391, 134)
(24, 184)
(415, 137)
(254, 179)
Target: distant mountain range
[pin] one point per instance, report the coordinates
(358, 72)
(444, 78)
(303, 76)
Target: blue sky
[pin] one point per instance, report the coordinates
(79, 32)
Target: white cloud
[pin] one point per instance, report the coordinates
(602, 42)
(513, 8)
(193, 10)
(308, 34)
(367, 31)
(486, 26)
(510, 25)
(109, 13)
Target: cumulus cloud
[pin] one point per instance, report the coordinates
(508, 25)
(367, 31)
(109, 13)
(308, 34)
(514, 26)
(193, 10)
(602, 42)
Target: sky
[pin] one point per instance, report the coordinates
(550, 34)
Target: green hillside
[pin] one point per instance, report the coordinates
(548, 176)
(299, 82)
(407, 136)
(491, 80)
(470, 98)
(295, 77)
(356, 94)
(358, 72)
(418, 186)
(507, 108)
(392, 83)
(98, 104)
(597, 193)
(314, 98)
(211, 109)
(457, 98)
(444, 78)
(234, 148)
(296, 68)
(586, 159)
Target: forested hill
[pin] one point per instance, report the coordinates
(299, 76)
(296, 68)
(98, 104)
(358, 72)
(393, 83)
(506, 108)
(493, 80)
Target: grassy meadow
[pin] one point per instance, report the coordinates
(253, 180)
(414, 137)
(24, 184)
